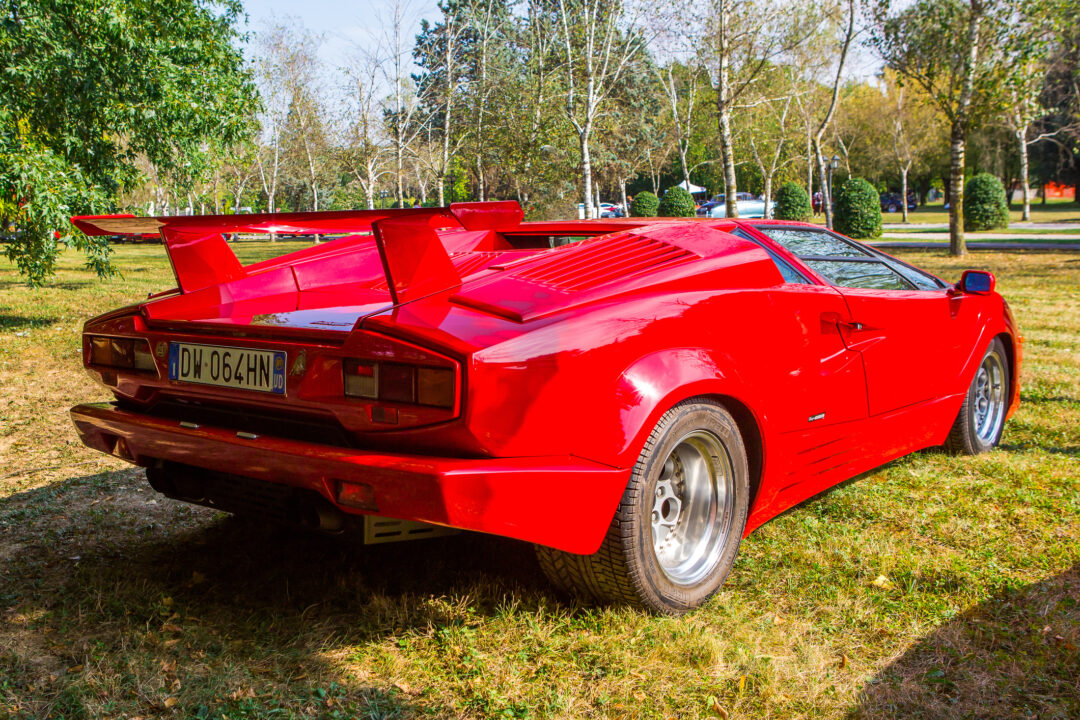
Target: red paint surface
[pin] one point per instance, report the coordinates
(564, 360)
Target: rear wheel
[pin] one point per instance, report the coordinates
(981, 419)
(677, 530)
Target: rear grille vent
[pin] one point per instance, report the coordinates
(593, 263)
(324, 431)
(465, 263)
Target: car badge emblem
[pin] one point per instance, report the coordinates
(299, 364)
(162, 349)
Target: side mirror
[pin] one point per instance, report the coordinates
(977, 282)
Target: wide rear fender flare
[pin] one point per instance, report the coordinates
(656, 382)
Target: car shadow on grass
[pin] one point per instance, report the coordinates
(1015, 655)
(112, 596)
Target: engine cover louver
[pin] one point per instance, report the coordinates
(596, 262)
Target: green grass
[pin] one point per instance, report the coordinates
(117, 603)
(1053, 211)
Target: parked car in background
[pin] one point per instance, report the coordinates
(633, 403)
(747, 204)
(600, 210)
(890, 202)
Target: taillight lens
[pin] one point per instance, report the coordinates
(394, 382)
(122, 353)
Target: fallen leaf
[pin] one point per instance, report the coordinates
(843, 661)
(742, 683)
(168, 665)
(777, 620)
(882, 582)
(169, 627)
(170, 702)
(242, 693)
(175, 685)
(170, 643)
(197, 578)
(75, 668)
(718, 710)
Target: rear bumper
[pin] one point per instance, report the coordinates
(564, 502)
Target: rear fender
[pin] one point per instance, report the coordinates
(655, 383)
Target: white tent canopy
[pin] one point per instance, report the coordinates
(691, 187)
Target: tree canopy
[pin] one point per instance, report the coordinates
(92, 87)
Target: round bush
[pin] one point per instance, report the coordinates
(645, 204)
(857, 210)
(792, 203)
(677, 202)
(985, 206)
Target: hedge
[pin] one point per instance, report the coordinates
(792, 203)
(677, 202)
(857, 210)
(985, 206)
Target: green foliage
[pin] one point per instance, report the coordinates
(88, 87)
(677, 202)
(985, 206)
(792, 203)
(644, 204)
(857, 210)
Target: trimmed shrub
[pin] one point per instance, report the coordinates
(792, 203)
(677, 202)
(645, 204)
(857, 210)
(985, 206)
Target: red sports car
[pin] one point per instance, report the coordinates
(633, 396)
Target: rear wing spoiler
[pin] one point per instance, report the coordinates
(413, 257)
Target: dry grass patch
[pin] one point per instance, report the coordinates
(933, 587)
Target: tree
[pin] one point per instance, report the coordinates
(169, 85)
(845, 46)
(749, 36)
(401, 109)
(439, 50)
(362, 155)
(600, 44)
(947, 47)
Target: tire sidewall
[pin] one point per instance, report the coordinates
(654, 584)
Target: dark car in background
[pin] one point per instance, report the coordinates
(890, 202)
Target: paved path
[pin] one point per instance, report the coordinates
(981, 236)
(978, 245)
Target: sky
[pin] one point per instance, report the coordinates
(343, 25)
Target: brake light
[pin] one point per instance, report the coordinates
(395, 382)
(122, 353)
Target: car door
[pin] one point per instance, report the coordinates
(913, 335)
(821, 380)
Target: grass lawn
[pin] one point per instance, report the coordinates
(1053, 212)
(117, 603)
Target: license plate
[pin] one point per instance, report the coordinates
(240, 368)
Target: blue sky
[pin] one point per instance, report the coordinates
(343, 25)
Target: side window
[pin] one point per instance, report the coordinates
(790, 274)
(842, 263)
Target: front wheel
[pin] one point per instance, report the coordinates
(981, 420)
(676, 533)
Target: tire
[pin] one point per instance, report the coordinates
(693, 468)
(981, 419)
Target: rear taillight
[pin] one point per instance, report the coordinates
(399, 383)
(121, 353)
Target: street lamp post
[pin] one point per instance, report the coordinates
(834, 163)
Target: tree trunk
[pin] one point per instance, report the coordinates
(622, 193)
(1025, 182)
(957, 246)
(823, 181)
(723, 112)
(768, 196)
(903, 192)
(586, 173)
